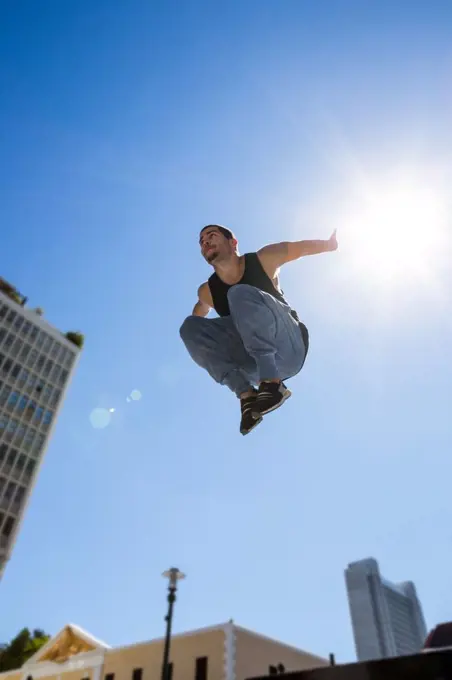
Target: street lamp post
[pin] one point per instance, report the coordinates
(173, 575)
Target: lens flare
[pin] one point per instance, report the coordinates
(100, 418)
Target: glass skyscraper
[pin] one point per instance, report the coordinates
(387, 618)
(36, 364)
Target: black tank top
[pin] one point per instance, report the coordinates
(254, 275)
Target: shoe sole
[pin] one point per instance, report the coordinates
(257, 420)
(285, 397)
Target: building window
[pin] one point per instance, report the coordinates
(201, 668)
(32, 358)
(10, 491)
(19, 435)
(56, 347)
(15, 372)
(11, 316)
(20, 465)
(8, 527)
(12, 400)
(11, 458)
(38, 414)
(55, 374)
(11, 430)
(47, 344)
(137, 674)
(37, 445)
(18, 499)
(34, 333)
(17, 347)
(31, 382)
(18, 323)
(29, 471)
(69, 359)
(31, 408)
(23, 401)
(55, 397)
(110, 676)
(40, 363)
(26, 328)
(4, 395)
(47, 368)
(28, 439)
(7, 366)
(46, 394)
(23, 377)
(63, 378)
(9, 341)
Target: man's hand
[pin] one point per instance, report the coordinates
(332, 242)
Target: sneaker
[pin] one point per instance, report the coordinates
(250, 416)
(271, 396)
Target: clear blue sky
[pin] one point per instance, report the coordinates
(124, 127)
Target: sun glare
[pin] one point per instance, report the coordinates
(395, 229)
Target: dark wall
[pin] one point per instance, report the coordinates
(430, 666)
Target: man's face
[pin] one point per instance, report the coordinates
(215, 246)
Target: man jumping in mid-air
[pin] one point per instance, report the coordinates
(258, 340)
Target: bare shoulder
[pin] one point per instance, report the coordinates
(272, 257)
(273, 251)
(204, 294)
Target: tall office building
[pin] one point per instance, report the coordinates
(386, 617)
(36, 364)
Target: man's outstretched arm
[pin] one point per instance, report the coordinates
(277, 254)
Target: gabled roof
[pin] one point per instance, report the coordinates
(71, 640)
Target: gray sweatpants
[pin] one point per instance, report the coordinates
(259, 341)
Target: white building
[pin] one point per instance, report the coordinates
(387, 617)
(36, 365)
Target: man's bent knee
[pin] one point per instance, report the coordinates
(191, 327)
(243, 290)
